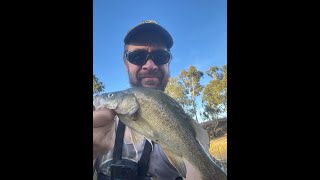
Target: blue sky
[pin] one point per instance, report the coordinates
(198, 28)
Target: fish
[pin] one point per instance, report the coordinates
(159, 118)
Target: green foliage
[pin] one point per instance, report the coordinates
(186, 88)
(211, 113)
(98, 86)
(214, 96)
(191, 82)
(176, 90)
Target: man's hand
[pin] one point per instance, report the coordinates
(103, 131)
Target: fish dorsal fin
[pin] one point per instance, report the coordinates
(129, 105)
(176, 161)
(201, 135)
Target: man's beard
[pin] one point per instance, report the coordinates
(163, 81)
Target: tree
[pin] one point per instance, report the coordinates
(210, 113)
(191, 83)
(176, 90)
(98, 86)
(214, 96)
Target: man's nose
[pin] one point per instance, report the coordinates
(149, 65)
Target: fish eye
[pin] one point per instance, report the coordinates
(110, 95)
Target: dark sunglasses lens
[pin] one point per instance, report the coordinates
(161, 57)
(137, 57)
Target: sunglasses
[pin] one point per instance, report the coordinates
(140, 57)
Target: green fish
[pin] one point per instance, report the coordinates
(158, 117)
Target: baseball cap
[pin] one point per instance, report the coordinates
(149, 26)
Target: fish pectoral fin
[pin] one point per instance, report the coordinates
(140, 127)
(137, 140)
(176, 161)
(146, 129)
(129, 105)
(201, 135)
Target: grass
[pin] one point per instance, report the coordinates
(218, 149)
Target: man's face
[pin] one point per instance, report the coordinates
(148, 75)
